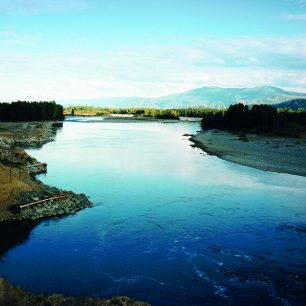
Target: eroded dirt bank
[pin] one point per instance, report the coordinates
(24, 200)
(22, 196)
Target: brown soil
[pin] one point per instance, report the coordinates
(12, 182)
(18, 184)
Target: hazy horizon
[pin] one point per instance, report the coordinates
(181, 92)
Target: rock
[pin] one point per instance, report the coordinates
(18, 185)
(62, 203)
(10, 295)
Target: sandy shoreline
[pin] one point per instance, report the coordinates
(270, 153)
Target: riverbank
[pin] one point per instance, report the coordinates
(124, 118)
(10, 295)
(270, 153)
(24, 200)
(22, 196)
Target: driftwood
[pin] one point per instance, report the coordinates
(34, 165)
(41, 201)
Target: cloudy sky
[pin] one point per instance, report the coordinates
(61, 49)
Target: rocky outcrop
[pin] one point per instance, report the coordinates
(49, 202)
(24, 199)
(22, 196)
(10, 295)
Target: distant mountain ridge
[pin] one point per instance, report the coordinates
(294, 104)
(214, 97)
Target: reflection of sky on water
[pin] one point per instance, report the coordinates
(170, 225)
(112, 146)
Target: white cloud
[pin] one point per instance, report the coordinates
(273, 52)
(10, 36)
(154, 70)
(294, 17)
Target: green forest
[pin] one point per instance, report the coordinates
(144, 112)
(258, 119)
(238, 117)
(31, 111)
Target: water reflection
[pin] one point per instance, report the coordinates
(170, 226)
(13, 234)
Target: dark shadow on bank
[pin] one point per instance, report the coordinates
(13, 233)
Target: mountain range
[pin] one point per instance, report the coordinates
(294, 104)
(213, 97)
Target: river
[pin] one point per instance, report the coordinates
(170, 224)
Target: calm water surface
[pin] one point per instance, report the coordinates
(170, 226)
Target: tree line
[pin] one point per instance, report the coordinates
(31, 111)
(174, 113)
(257, 118)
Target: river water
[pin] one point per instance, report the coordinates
(170, 225)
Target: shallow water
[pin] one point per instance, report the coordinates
(170, 226)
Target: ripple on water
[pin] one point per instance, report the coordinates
(167, 229)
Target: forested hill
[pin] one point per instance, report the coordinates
(294, 104)
(211, 97)
(31, 111)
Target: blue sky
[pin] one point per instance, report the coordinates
(60, 49)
